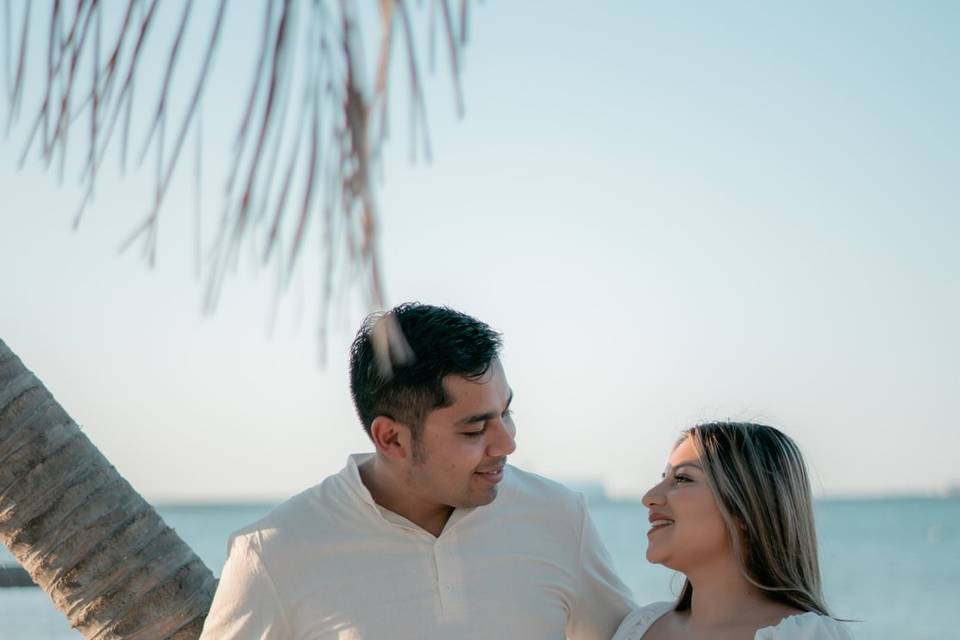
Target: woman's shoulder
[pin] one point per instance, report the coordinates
(806, 626)
(639, 620)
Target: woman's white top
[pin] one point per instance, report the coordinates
(803, 626)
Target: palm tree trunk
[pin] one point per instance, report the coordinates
(97, 548)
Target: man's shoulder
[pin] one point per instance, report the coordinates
(281, 518)
(541, 511)
(532, 489)
(308, 515)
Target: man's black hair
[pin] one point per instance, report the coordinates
(442, 342)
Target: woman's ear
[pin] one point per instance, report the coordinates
(391, 438)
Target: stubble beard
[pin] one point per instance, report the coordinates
(419, 457)
(418, 451)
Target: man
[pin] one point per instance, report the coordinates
(433, 535)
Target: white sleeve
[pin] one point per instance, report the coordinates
(808, 627)
(601, 600)
(246, 605)
(638, 622)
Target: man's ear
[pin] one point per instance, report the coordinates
(391, 438)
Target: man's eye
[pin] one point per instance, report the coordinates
(473, 434)
(507, 414)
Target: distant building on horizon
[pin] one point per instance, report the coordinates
(596, 491)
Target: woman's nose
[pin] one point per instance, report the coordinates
(653, 497)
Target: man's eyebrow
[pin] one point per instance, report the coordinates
(483, 417)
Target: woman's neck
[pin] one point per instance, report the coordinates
(723, 598)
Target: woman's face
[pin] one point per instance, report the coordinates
(686, 529)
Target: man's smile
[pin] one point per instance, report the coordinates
(492, 474)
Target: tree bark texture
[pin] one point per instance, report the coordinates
(97, 548)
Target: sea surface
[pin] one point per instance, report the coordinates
(893, 564)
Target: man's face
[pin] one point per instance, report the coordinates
(463, 447)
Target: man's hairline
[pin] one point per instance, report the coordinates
(416, 430)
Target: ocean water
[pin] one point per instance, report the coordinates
(893, 564)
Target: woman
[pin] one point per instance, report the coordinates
(733, 514)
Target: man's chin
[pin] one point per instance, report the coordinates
(481, 498)
(491, 494)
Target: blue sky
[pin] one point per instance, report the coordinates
(673, 212)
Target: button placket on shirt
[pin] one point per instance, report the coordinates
(449, 578)
(440, 568)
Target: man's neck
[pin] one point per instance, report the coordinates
(391, 492)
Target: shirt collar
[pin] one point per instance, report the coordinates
(350, 476)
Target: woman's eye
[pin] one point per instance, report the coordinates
(681, 478)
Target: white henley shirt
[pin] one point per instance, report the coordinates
(332, 564)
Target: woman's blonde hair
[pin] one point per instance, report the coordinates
(761, 485)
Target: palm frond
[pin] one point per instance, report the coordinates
(307, 77)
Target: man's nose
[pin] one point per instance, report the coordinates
(503, 442)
